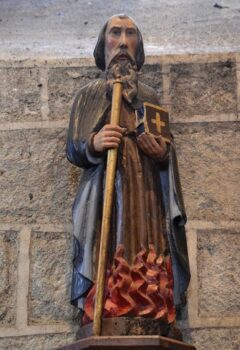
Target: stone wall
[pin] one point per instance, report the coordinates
(202, 93)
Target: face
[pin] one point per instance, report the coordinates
(121, 39)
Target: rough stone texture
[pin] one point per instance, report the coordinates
(67, 28)
(8, 277)
(37, 182)
(209, 168)
(36, 342)
(203, 88)
(38, 186)
(20, 90)
(63, 85)
(152, 75)
(218, 264)
(213, 339)
(50, 278)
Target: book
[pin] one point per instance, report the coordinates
(154, 120)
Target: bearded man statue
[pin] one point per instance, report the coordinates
(148, 268)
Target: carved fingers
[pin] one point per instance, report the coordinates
(109, 136)
(154, 147)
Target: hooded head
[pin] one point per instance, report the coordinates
(119, 41)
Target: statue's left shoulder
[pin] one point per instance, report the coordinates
(147, 94)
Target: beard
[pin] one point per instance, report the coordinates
(124, 68)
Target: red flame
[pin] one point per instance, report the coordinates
(144, 289)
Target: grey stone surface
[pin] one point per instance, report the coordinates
(68, 28)
(38, 186)
(8, 277)
(36, 342)
(50, 278)
(151, 74)
(203, 88)
(213, 339)
(218, 264)
(63, 85)
(209, 168)
(20, 90)
(37, 182)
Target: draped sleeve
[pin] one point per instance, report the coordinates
(87, 115)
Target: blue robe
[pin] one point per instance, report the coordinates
(89, 115)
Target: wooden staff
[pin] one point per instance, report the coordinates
(107, 210)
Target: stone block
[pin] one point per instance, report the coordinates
(151, 74)
(203, 88)
(209, 165)
(36, 342)
(38, 184)
(213, 338)
(50, 278)
(8, 277)
(20, 94)
(218, 264)
(63, 85)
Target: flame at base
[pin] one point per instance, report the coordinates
(144, 289)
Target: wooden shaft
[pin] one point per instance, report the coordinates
(107, 210)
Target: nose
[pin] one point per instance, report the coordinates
(123, 40)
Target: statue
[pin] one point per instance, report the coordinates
(147, 270)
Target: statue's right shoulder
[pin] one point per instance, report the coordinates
(94, 88)
(89, 106)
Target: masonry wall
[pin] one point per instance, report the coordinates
(202, 93)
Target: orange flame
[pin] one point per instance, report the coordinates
(144, 289)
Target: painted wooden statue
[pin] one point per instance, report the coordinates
(147, 269)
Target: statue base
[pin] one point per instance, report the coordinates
(130, 333)
(122, 326)
(147, 342)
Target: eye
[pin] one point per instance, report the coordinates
(131, 31)
(116, 31)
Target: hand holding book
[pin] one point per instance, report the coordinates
(154, 120)
(154, 147)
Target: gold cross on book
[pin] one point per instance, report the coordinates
(159, 123)
(156, 121)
